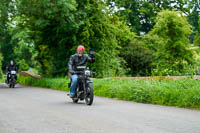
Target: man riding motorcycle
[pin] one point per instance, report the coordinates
(78, 59)
(9, 68)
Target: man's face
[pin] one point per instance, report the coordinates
(80, 53)
(12, 63)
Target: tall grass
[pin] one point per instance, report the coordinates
(54, 83)
(2, 79)
(181, 93)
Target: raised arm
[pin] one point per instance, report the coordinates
(93, 57)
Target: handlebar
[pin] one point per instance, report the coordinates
(82, 72)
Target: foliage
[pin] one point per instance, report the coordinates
(24, 51)
(6, 46)
(197, 37)
(193, 14)
(1, 58)
(173, 30)
(42, 34)
(50, 31)
(164, 50)
(140, 14)
(139, 58)
(62, 25)
(22, 65)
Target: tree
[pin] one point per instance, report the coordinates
(197, 37)
(173, 30)
(7, 46)
(58, 27)
(193, 16)
(139, 58)
(140, 14)
(24, 50)
(1, 58)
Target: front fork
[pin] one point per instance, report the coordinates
(86, 86)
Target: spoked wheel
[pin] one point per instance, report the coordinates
(10, 83)
(89, 96)
(13, 85)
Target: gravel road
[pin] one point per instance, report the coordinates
(36, 110)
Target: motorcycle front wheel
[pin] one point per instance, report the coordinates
(89, 96)
(75, 100)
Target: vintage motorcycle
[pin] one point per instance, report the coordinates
(12, 79)
(84, 88)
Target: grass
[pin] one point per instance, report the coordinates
(54, 83)
(2, 80)
(181, 93)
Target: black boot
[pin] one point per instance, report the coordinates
(72, 95)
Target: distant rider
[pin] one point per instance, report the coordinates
(78, 59)
(9, 68)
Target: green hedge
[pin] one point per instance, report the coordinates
(181, 93)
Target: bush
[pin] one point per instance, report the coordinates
(139, 58)
(23, 66)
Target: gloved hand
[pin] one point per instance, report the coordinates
(92, 52)
(72, 72)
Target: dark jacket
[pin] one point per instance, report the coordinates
(10, 68)
(76, 60)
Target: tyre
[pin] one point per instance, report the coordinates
(89, 96)
(10, 83)
(75, 100)
(13, 85)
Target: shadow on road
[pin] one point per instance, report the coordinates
(69, 102)
(5, 86)
(80, 103)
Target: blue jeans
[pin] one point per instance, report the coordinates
(74, 84)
